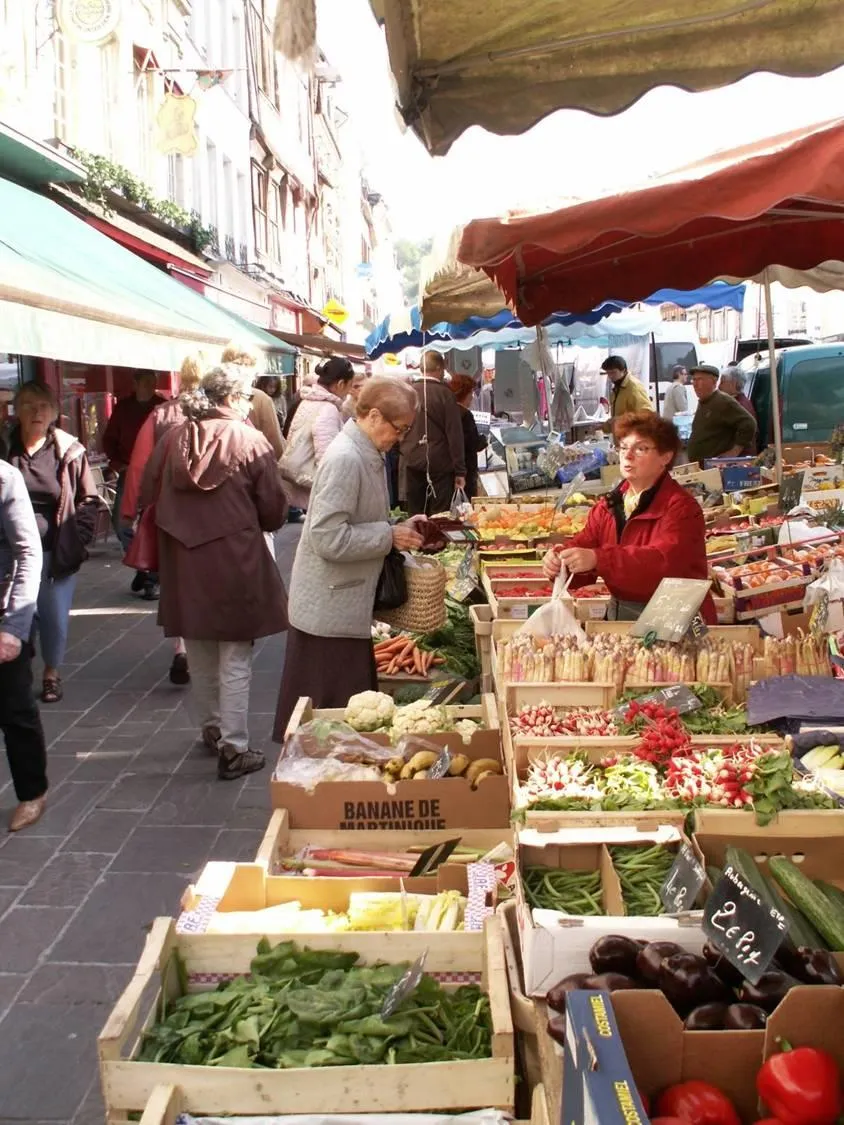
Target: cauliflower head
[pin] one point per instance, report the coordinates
(369, 710)
(421, 717)
(467, 728)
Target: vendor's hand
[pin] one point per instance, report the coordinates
(579, 560)
(405, 537)
(10, 648)
(459, 482)
(551, 565)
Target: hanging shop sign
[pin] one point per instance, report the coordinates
(88, 21)
(175, 125)
(335, 312)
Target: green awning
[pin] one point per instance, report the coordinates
(69, 292)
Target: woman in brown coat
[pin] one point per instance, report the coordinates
(216, 489)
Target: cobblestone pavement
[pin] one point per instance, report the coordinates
(135, 810)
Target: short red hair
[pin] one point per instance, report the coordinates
(648, 425)
(461, 386)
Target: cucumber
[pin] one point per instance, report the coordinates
(713, 874)
(825, 915)
(799, 932)
(748, 868)
(833, 893)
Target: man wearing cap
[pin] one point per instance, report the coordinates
(627, 394)
(721, 428)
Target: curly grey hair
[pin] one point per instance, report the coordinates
(736, 375)
(226, 381)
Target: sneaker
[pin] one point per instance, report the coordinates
(179, 673)
(138, 582)
(211, 736)
(150, 593)
(232, 763)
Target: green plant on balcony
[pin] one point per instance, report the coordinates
(104, 178)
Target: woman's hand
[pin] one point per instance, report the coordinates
(579, 560)
(551, 565)
(406, 537)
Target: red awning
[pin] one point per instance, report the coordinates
(152, 250)
(779, 202)
(321, 345)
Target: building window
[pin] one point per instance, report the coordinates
(274, 220)
(212, 181)
(259, 203)
(144, 80)
(261, 39)
(64, 93)
(176, 178)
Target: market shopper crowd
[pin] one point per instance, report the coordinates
(206, 478)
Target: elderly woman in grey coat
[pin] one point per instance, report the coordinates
(345, 539)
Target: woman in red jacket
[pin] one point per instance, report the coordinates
(646, 529)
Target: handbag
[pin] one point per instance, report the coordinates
(142, 552)
(298, 462)
(391, 591)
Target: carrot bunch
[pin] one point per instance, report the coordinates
(402, 654)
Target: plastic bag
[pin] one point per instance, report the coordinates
(794, 531)
(326, 738)
(460, 506)
(391, 591)
(831, 583)
(556, 618)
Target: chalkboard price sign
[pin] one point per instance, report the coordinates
(681, 887)
(747, 930)
(404, 986)
(791, 489)
(432, 858)
(672, 609)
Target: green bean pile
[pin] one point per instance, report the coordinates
(641, 870)
(554, 888)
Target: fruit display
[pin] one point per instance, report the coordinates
(758, 576)
(526, 524)
(534, 591)
(742, 776)
(814, 555)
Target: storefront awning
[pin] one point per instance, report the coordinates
(69, 292)
(505, 66)
(321, 345)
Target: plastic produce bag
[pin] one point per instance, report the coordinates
(556, 618)
(794, 531)
(460, 505)
(831, 583)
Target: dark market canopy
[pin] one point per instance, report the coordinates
(506, 65)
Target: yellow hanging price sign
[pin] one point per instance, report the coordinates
(335, 312)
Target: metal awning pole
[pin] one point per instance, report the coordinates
(772, 366)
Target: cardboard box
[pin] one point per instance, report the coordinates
(418, 806)
(811, 838)
(795, 452)
(555, 944)
(736, 472)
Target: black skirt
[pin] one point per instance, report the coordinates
(328, 669)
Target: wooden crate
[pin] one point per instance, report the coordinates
(517, 609)
(281, 840)
(550, 1063)
(166, 1103)
(407, 1088)
(481, 618)
(740, 634)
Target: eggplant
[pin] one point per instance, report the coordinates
(651, 957)
(556, 1028)
(614, 954)
(810, 966)
(688, 982)
(768, 991)
(716, 960)
(610, 982)
(706, 1017)
(556, 997)
(744, 1017)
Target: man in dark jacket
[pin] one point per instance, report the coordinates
(432, 451)
(721, 428)
(119, 438)
(20, 564)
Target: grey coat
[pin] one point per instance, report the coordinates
(344, 541)
(20, 555)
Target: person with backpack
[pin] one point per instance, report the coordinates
(432, 452)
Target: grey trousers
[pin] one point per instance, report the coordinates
(220, 673)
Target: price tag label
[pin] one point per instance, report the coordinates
(684, 881)
(672, 609)
(790, 491)
(433, 857)
(747, 930)
(441, 766)
(404, 986)
(678, 696)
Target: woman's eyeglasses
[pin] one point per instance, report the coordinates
(399, 430)
(640, 449)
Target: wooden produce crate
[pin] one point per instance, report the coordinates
(166, 1103)
(522, 1007)
(481, 617)
(516, 608)
(405, 1088)
(281, 840)
(740, 634)
(418, 805)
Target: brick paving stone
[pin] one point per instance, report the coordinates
(66, 880)
(135, 811)
(26, 932)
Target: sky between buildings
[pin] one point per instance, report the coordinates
(569, 154)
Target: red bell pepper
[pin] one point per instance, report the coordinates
(801, 1086)
(667, 1121)
(697, 1103)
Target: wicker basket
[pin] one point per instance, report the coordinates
(424, 610)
